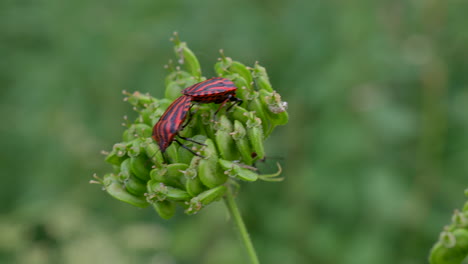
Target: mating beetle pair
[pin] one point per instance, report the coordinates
(215, 90)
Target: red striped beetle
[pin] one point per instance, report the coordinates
(171, 123)
(216, 90)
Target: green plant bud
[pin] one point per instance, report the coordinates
(255, 134)
(177, 75)
(205, 198)
(135, 186)
(135, 147)
(173, 90)
(118, 191)
(234, 169)
(244, 89)
(138, 99)
(158, 191)
(241, 69)
(240, 113)
(193, 185)
(275, 108)
(206, 122)
(172, 154)
(452, 254)
(459, 219)
(125, 170)
(227, 66)
(186, 156)
(221, 67)
(260, 78)
(187, 58)
(166, 209)
(152, 152)
(171, 175)
(118, 154)
(209, 172)
(146, 118)
(224, 141)
(193, 127)
(257, 106)
(242, 143)
(164, 103)
(140, 167)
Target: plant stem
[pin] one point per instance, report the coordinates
(236, 216)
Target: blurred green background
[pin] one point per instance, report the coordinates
(375, 154)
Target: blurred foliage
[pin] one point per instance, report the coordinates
(374, 154)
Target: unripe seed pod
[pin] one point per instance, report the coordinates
(186, 156)
(166, 209)
(234, 170)
(209, 172)
(171, 175)
(164, 103)
(275, 108)
(241, 69)
(244, 89)
(175, 87)
(135, 186)
(125, 170)
(459, 219)
(193, 185)
(242, 143)
(153, 153)
(138, 99)
(255, 134)
(187, 58)
(146, 118)
(117, 155)
(137, 131)
(227, 66)
(205, 114)
(173, 90)
(140, 167)
(205, 198)
(118, 191)
(177, 75)
(240, 113)
(260, 78)
(257, 106)
(135, 147)
(224, 141)
(158, 191)
(441, 254)
(172, 154)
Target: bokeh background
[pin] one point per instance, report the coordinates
(375, 154)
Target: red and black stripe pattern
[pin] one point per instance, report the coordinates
(215, 90)
(171, 122)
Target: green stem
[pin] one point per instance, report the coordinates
(234, 211)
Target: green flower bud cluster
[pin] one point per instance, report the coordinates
(452, 246)
(233, 140)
